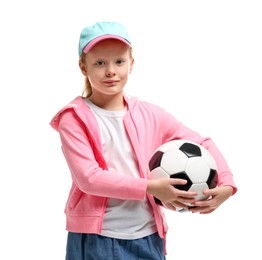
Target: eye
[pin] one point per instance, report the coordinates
(100, 63)
(120, 62)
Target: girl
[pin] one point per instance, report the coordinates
(107, 139)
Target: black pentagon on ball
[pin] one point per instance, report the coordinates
(212, 179)
(155, 160)
(190, 150)
(182, 175)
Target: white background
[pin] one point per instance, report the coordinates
(200, 60)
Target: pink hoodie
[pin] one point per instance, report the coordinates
(148, 126)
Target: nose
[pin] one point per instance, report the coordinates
(110, 72)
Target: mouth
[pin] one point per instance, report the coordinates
(110, 82)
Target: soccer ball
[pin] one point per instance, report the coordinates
(186, 160)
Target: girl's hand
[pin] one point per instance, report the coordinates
(216, 197)
(171, 197)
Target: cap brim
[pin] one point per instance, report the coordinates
(91, 44)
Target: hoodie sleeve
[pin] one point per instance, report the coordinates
(172, 129)
(87, 166)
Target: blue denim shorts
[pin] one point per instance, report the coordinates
(96, 247)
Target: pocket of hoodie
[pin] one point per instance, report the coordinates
(74, 198)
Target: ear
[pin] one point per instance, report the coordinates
(82, 67)
(131, 66)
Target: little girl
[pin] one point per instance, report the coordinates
(107, 140)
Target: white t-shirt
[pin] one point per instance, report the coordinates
(123, 219)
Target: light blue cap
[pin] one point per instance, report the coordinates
(100, 31)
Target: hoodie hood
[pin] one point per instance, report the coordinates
(78, 104)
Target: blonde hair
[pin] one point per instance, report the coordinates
(87, 91)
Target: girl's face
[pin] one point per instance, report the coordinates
(107, 66)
